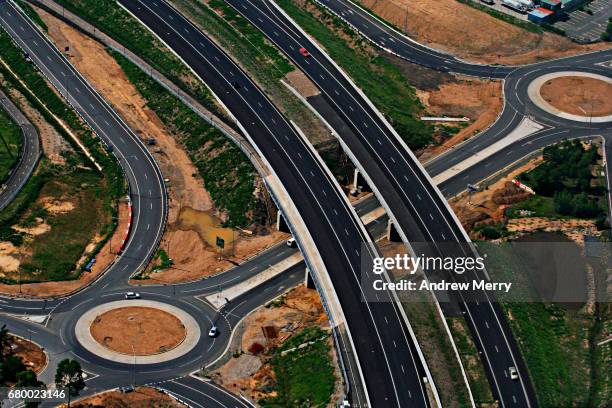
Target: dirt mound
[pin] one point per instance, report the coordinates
(579, 95)
(138, 330)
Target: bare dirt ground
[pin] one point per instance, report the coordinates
(579, 95)
(300, 308)
(9, 259)
(193, 256)
(142, 397)
(148, 330)
(573, 229)
(472, 34)
(32, 356)
(479, 100)
(487, 206)
(298, 80)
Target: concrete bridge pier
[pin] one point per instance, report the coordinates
(392, 234)
(281, 223)
(308, 281)
(359, 183)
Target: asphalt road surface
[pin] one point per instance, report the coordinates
(28, 157)
(386, 350)
(243, 102)
(146, 186)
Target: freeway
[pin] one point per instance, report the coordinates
(29, 155)
(415, 205)
(274, 136)
(387, 349)
(63, 310)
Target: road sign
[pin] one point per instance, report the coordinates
(220, 242)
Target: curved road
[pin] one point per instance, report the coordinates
(29, 155)
(62, 313)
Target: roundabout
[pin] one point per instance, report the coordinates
(573, 95)
(137, 331)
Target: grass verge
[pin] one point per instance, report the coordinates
(228, 175)
(10, 145)
(382, 81)
(252, 51)
(305, 375)
(481, 391)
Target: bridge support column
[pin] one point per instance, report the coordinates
(281, 224)
(359, 183)
(308, 281)
(392, 234)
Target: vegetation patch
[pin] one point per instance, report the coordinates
(13, 369)
(253, 52)
(481, 391)
(10, 145)
(382, 81)
(565, 184)
(51, 243)
(54, 254)
(228, 175)
(303, 370)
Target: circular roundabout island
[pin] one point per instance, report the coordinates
(579, 95)
(573, 95)
(137, 330)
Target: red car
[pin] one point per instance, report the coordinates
(304, 52)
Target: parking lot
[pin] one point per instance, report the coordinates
(584, 27)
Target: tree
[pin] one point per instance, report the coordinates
(490, 232)
(5, 343)
(28, 379)
(70, 375)
(563, 203)
(9, 369)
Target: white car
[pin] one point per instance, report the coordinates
(513, 373)
(132, 295)
(291, 243)
(213, 332)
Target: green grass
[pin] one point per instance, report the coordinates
(481, 391)
(115, 21)
(382, 81)
(304, 377)
(54, 254)
(228, 175)
(163, 260)
(249, 34)
(551, 341)
(245, 44)
(10, 145)
(540, 206)
(437, 349)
